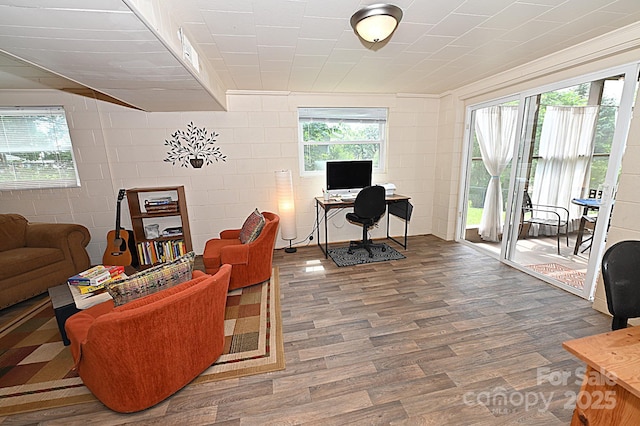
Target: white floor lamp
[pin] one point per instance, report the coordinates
(286, 207)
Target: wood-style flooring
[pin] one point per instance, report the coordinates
(446, 336)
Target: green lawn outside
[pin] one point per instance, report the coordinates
(474, 215)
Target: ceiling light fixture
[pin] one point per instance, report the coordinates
(376, 22)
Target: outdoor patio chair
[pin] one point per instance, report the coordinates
(541, 214)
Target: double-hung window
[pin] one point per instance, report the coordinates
(330, 134)
(35, 149)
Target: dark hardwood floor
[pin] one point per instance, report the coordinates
(446, 336)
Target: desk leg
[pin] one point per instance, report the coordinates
(324, 250)
(326, 236)
(318, 224)
(406, 222)
(388, 222)
(406, 226)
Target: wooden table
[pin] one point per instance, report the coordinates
(610, 392)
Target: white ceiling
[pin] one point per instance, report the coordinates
(284, 45)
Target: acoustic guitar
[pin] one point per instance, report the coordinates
(117, 251)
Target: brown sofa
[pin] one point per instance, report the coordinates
(136, 355)
(36, 256)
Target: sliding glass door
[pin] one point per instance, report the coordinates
(492, 138)
(566, 143)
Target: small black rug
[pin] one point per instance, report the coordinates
(360, 256)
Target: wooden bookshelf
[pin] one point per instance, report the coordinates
(155, 212)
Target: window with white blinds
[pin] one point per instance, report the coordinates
(328, 134)
(35, 149)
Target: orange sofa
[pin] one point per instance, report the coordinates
(251, 262)
(136, 355)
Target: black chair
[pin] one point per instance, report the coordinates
(543, 214)
(368, 208)
(621, 276)
(595, 193)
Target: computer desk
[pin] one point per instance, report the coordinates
(334, 203)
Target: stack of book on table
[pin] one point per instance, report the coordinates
(87, 287)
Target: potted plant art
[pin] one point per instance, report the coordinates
(194, 146)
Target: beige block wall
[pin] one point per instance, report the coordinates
(117, 147)
(448, 168)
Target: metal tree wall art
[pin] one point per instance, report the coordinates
(195, 147)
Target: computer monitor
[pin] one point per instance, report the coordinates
(348, 176)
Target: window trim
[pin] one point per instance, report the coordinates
(308, 114)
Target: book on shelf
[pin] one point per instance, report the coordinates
(172, 232)
(96, 275)
(158, 201)
(151, 252)
(161, 207)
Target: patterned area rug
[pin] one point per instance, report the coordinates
(360, 256)
(561, 273)
(35, 367)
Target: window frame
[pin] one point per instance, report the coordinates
(31, 142)
(353, 114)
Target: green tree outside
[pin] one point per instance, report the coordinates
(328, 141)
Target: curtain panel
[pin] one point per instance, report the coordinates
(495, 129)
(566, 147)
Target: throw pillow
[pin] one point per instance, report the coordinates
(152, 280)
(252, 227)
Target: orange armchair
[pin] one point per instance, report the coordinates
(251, 262)
(136, 355)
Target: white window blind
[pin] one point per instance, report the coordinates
(35, 149)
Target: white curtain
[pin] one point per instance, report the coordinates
(566, 146)
(496, 134)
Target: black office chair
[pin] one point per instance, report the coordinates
(621, 275)
(368, 208)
